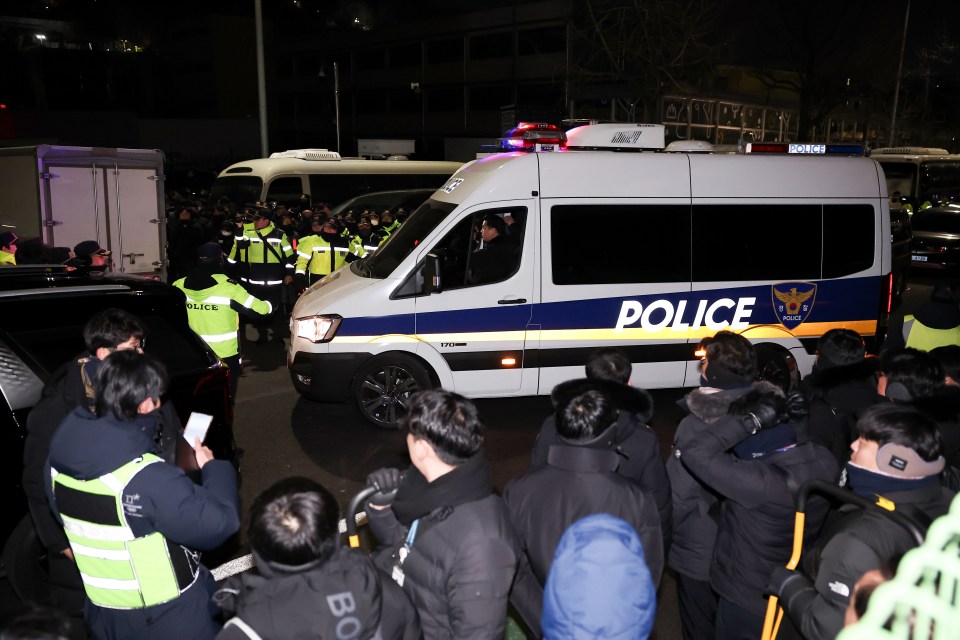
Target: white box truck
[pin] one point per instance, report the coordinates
(65, 195)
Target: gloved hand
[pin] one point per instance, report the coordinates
(386, 482)
(760, 410)
(780, 577)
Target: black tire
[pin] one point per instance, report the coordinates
(25, 563)
(383, 386)
(776, 365)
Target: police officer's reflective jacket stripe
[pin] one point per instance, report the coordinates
(919, 336)
(360, 248)
(212, 312)
(319, 257)
(119, 570)
(267, 254)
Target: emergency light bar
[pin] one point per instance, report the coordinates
(534, 136)
(801, 148)
(617, 137)
(307, 154)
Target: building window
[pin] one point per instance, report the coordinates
(491, 45)
(444, 51)
(542, 41)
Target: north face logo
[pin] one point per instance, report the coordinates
(840, 589)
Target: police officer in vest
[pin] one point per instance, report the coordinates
(213, 304)
(135, 522)
(364, 241)
(263, 259)
(935, 323)
(322, 252)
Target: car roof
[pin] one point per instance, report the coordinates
(393, 198)
(36, 279)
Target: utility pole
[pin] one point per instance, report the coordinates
(261, 80)
(896, 91)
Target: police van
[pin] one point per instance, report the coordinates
(613, 242)
(324, 176)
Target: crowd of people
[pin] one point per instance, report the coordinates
(575, 547)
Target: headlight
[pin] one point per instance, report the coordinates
(317, 328)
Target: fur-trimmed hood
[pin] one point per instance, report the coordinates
(631, 399)
(710, 404)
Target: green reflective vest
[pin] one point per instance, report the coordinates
(210, 315)
(8, 259)
(118, 569)
(920, 336)
(317, 256)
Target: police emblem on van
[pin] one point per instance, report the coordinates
(793, 302)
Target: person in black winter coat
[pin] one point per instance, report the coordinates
(498, 259)
(896, 459)
(915, 378)
(743, 443)
(636, 444)
(578, 480)
(446, 535)
(841, 386)
(72, 386)
(307, 585)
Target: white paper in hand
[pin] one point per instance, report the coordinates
(197, 427)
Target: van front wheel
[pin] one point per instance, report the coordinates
(382, 387)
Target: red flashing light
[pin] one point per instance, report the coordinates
(3, 106)
(533, 136)
(769, 147)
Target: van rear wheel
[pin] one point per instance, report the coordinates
(777, 365)
(382, 388)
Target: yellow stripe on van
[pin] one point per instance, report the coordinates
(812, 329)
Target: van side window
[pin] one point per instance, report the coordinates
(285, 190)
(612, 244)
(849, 234)
(736, 242)
(471, 254)
(334, 188)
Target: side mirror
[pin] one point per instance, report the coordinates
(431, 274)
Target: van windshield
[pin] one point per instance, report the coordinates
(240, 190)
(404, 240)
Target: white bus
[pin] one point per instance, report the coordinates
(615, 245)
(323, 176)
(923, 177)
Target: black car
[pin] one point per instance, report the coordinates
(936, 238)
(42, 313)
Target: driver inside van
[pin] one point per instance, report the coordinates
(496, 260)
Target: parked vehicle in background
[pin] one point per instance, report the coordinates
(408, 199)
(323, 176)
(65, 195)
(936, 238)
(922, 176)
(901, 238)
(45, 309)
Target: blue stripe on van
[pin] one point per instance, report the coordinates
(836, 300)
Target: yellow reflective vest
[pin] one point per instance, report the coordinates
(211, 313)
(319, 257)
(919, 336)
(118, 569)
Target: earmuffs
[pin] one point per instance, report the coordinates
(903, 462)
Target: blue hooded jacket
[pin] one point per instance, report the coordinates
(599, 584)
